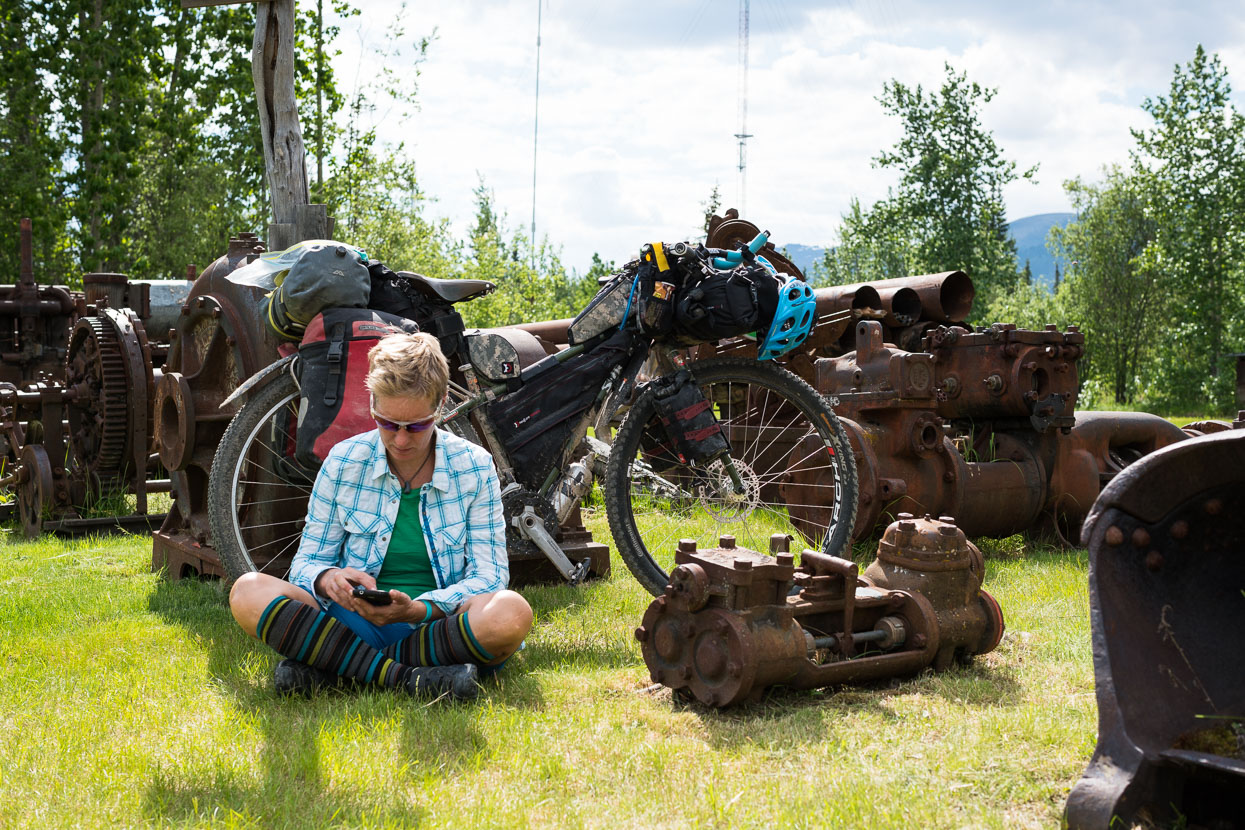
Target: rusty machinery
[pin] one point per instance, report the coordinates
(734, 622)
(1167, 601)
(980, 424)
(217, 343)
(78, 373)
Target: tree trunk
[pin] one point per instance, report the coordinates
(272, 67)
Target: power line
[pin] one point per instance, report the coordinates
(535, 130)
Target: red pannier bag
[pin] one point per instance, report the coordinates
(332, 368)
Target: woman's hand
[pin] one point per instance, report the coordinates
(337, 583)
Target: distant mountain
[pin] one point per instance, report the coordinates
(1030, 235)
(804, 255)
(1029, 232)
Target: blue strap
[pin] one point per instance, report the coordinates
(630, 297)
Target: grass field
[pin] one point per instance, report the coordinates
(128, 700)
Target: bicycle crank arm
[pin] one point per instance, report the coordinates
(532, 527)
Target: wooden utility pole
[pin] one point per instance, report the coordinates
(285, 157)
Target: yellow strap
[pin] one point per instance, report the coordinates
(660, 253)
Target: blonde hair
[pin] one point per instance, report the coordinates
(408, 365)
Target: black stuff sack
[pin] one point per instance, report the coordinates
(725, 304)
(535, 422)
(687, 417)
(332, 369)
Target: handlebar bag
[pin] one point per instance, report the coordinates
(332, 368)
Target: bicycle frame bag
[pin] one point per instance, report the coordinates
(725, 304)
(499, 355)
(687, 416)
(535, 422)
(332, 368)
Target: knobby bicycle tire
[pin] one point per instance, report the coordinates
(788, 445)
(257, 492)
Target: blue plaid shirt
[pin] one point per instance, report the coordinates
(354, 504)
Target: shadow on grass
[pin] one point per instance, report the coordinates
(289, 788)
(809, 716)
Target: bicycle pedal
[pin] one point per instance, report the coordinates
(580, 574)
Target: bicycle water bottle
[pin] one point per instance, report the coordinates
(572, 487)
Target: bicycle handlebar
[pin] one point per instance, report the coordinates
(732, 258)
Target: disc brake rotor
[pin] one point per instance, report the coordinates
(717, 495)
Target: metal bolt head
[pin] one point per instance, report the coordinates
(687, 545)
(907, 527)
(743, 564)
(1214, 507)
(1141, 537)
(727, 542)
(1179, 529)
(1154, 560)
(1114, 536)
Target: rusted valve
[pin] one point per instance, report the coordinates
(730, 625)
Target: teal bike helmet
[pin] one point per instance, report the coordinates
(793, 320)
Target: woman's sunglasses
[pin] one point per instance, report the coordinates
(394, 426)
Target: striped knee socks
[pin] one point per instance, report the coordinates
(307, 634)
(441, 642)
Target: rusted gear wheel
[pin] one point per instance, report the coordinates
(99, 416)
(34, 490)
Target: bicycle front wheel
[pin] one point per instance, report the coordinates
(783, 435)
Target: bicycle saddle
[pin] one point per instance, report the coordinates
(452, 291)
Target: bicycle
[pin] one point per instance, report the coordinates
(776, 428)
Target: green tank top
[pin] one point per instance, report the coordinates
(407, 566)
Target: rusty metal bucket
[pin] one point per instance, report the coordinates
(1167, 604)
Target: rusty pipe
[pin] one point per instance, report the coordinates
(551, 331)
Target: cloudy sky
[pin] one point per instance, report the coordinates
(639, 101)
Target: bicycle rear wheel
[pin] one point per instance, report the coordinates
(780, 431)
(257, 492)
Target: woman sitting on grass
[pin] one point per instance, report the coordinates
(406, 508)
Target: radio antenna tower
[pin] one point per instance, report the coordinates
(743, 135)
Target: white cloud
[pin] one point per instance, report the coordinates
(639, 108)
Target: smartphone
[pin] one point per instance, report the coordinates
(374, 597)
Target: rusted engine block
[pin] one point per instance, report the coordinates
(729, 626)
(980, 425)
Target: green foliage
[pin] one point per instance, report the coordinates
(1192, 164)
(947, 211)
(532, 284)
(1112, 289)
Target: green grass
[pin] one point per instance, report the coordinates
(128, 700)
